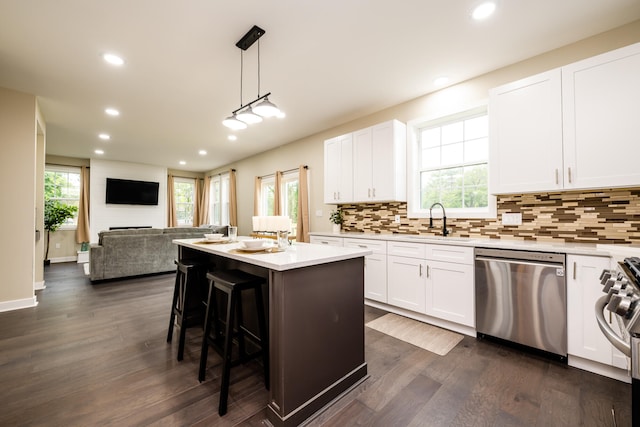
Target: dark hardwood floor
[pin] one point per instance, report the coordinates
(97, 355)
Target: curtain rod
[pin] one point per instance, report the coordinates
(221, 173)
(285, 171)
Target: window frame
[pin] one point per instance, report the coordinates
(265, 182)
(182, 180)
(68, 169)
(219, 206)
(414, 128)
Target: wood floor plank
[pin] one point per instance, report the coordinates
(96, 354)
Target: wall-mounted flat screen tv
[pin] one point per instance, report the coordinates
(130, 192)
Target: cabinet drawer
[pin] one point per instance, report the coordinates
(411, 250)
(376, 246)
(457, 254)
(331, 241)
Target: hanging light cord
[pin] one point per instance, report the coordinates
(258, 68)
(241, 71)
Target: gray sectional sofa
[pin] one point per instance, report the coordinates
(138, 251)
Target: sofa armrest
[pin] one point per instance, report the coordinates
(96, 262)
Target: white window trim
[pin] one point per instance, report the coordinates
(220, 179)
(177, 180)
(413, 177)
(67, 169)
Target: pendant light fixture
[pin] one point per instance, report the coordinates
(249, 113)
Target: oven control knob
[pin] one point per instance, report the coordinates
(616, 287)
(608, 285)
(605, 275)
(623, 306)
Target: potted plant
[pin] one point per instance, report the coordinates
(336, 218)
(55, 214)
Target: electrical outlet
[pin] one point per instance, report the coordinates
(57, 245)
(511, 219)
(397, 219)
(319, 213)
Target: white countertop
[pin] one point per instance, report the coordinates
(297, 255)
(608, 250)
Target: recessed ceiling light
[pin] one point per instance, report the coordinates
(441, 81)
(113, 59)
(99, 152)
(104, 136)
(483, 10)
(232, 137)
(112, 112)
(202, 152)
(182, 162)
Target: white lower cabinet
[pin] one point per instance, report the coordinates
(450, 292)
(584, 337)
(330, 241)
(407, 282)
(375, 267)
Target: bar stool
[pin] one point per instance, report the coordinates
(232, 283)
(189, 297)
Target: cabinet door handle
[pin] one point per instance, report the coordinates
(338, 195)
(569, 174)
(368, 192)
(325, 243)
(574, 271)
(427, 271)
(362, 246)
(557, 182)
(374, 192)
(420, 270)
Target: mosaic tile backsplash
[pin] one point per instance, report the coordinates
(604, 216)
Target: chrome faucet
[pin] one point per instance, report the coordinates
(444, 218)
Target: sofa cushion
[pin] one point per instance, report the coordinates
(129, 232)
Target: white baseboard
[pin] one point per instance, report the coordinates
(63, 259)
(38, 286)
(599, 368)
(18, 304)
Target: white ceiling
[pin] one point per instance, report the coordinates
(326, 62)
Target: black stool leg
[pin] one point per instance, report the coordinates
(226, 357)
(183, 329)
(211, 313)
(172, 318)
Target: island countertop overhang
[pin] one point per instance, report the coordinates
(298, 255)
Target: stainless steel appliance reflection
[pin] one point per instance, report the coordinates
(521, 297)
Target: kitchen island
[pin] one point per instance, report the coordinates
(316, 320)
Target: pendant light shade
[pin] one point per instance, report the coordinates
(266, 108)
(232, 122)
(251, 112)
(249, 116)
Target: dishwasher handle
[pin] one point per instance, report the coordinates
(609, 333)
(520, 261)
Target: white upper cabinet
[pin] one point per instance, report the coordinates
(600, 110)
(338, 169)
(558, 130)
(525, 128)
(379, 167)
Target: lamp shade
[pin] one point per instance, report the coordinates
(266, 108)
(248, 116)
(232, 122)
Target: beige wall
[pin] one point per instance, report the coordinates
(18, 115)
(450, 100)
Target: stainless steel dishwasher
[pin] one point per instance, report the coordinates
(521, 296)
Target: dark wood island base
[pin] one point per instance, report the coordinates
(316, 332)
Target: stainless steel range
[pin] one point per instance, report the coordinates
(622, 300)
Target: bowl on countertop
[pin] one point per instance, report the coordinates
(214, 236)
(253, 244)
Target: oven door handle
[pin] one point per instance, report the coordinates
(609, 333)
